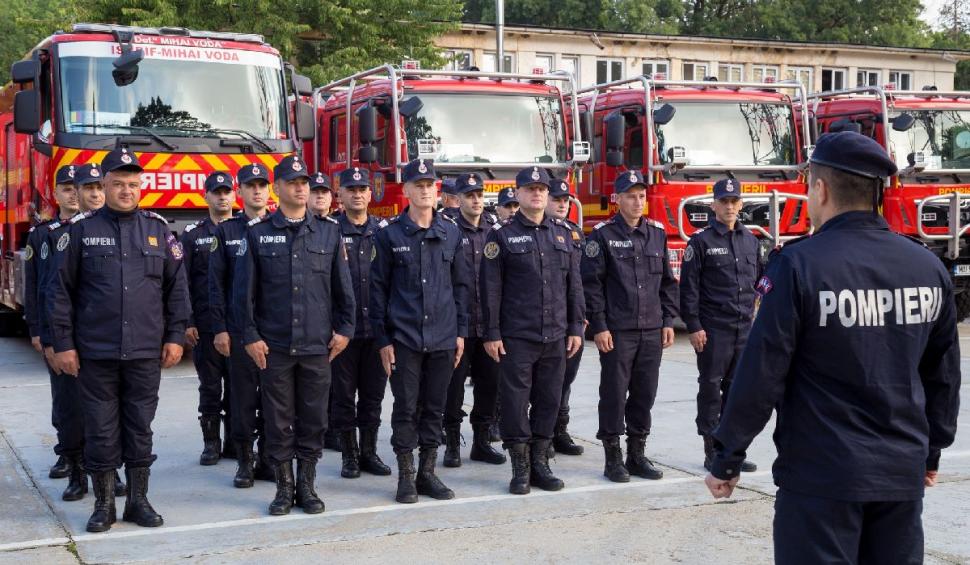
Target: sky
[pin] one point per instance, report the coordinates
(931, 10)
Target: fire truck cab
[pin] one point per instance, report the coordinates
(187, 102)
(684, 136)
(927, 134)
(466, 121)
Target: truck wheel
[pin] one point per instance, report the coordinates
(963, 305)
(11, 323)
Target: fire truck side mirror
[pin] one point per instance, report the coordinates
(23, 72)
(615, 135)
(26, 111)
(303, 113)
(366, 124)
(302, 85)
(367, 154)
(410, 107)
(903, 122)
(663, 115)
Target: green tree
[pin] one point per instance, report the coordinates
(23, 23)
(635, 16)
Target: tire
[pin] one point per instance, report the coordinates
(12, 324)
(963, 305)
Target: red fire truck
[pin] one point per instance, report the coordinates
(467, 121)
(697, 132)
(927, 134)
(186, 102)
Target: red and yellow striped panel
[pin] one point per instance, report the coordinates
(171, 180)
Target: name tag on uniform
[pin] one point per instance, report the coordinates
(200, 241)
(234, 242)
(348, 240)
(97, 241)
(272, 239)
(615, 243)
(520, 239)
(402, 249)
(717, 251)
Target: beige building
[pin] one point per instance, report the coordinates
(596, 57)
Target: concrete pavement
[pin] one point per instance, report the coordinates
(669, 521)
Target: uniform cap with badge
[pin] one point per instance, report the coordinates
(121, 159)
(65, 175)
(627, 180)
(87, 174)
(468, 182)
(507, 196)
(727, 188)
(558, 188)
(354, 177)
(853, 153)
(291, 167)
(419, 169)
(252, 172)
(450, 186)
(218, 180)
(532, 175)
(320, 181)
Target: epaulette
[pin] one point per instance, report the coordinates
(778, 248)
(491, 218)
(599, 225)
(698, 232)
(150, 214)
(449, 218)
(31, 230)
(501, 223)
(329, 219)
(388, 221)
(557, 221)
(255, 221)
(654, 223)
(192, 226)
(52, 226)
(78, 217)
(915, 240)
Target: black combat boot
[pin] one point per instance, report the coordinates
(369, 460)
(427, 482)
(212, 445)
(263, 469)
(453, 438)
(350, 468)
(61, 468)
(77, 485)
(137, 507)
(482, 449)
(283, 501)
(331, 440)
(519, 453)
(614, 469)
(708, 452)
(102, 482)
(637, 463)
(541, 475)
(228, 447)
(407, 490)
(748, 466)
(120, 488)
(306, 495)
(245, 466)
(562, 441)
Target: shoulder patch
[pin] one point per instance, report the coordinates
(599, 225)
(592, 248)
(192, 226)
(150, 214)
(688, 253)
(255, 221)
(491, 250)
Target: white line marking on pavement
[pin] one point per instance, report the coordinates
(34, 544)
(388, 508)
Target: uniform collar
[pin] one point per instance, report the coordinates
(349, 228)
(856, 219)
(545, 223)
(116, 215)
(411, 228)
(466, 225)
(620, 222)
(280, 221)
(722, 229)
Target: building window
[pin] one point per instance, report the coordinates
(695, 71)
(608, 70)
(457, 59)
(730, 73)
(833, 79)
(570, 64)
(867, 77)
(488, 62)
(545, 62)
(902, 79)
(802, 75)
(652, 67)
(760, 72)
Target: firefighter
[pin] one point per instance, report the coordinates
(558, 207)
(359, 380)
(419, 315)
(631, 299)
(211, 366)
(295, 300)
(507, 204)
(475, 224)
(855, 345)
(532, 304)
(321, 194)
(450, 203)
(244, 401)
(720, 269)
(118, 316)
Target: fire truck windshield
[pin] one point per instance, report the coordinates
(730, 134)
(476, 128)
(178, 92)
(942, 135)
